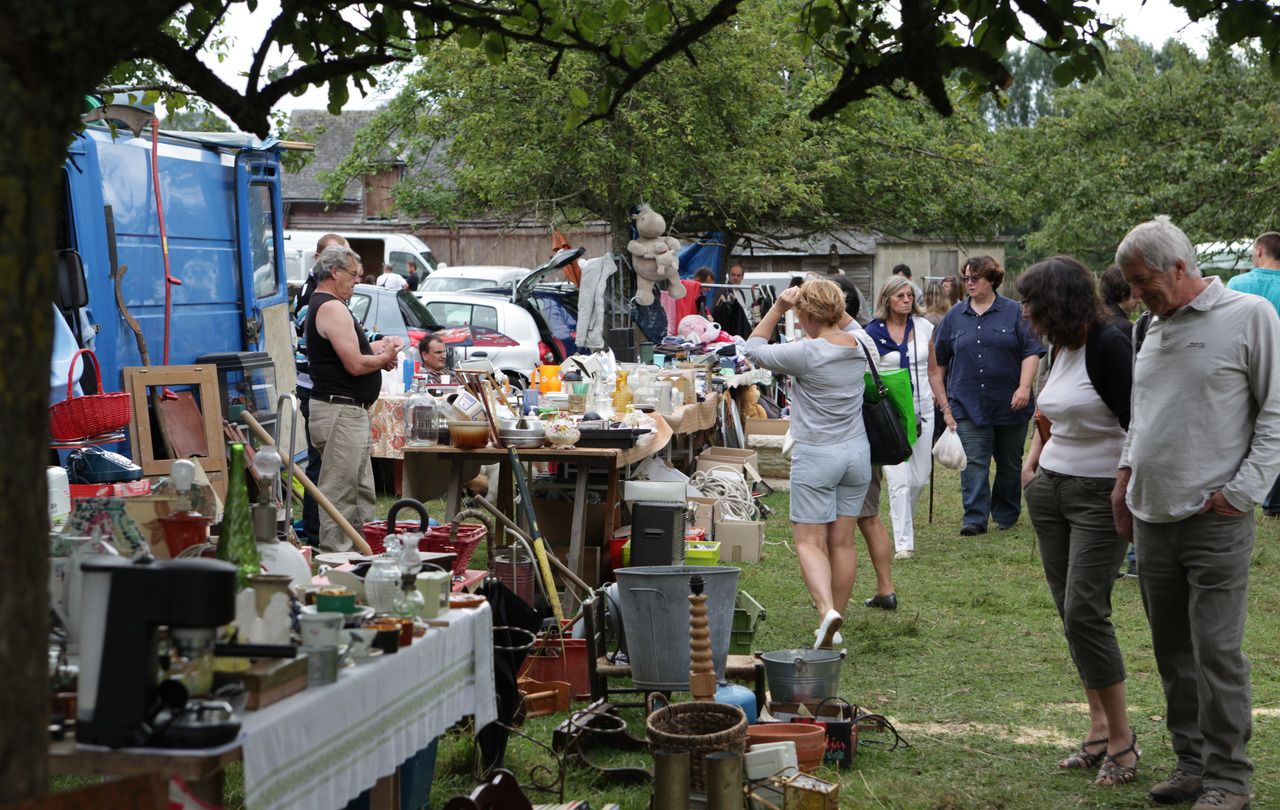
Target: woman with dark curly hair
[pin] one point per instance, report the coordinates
(1067, 480)
(1118, 299)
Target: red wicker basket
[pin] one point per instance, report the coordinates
(461, 539)
(78, 417)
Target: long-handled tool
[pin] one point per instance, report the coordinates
(356, 538)
(539, 550)
(520, 533)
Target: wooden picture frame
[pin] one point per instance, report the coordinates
(204, 378)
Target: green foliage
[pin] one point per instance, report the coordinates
(721, 143)
(1163, 132)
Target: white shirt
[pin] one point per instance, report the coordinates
(392, 281)
(918, 364)
(1086, 438)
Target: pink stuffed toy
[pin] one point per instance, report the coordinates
(698, 329)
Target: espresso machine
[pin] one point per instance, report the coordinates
(123, 699)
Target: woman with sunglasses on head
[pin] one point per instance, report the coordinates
(1068, 479)
(904, 339)
(986, 359)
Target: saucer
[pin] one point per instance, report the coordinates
(362, 614)
(341, 557)
(373, 655)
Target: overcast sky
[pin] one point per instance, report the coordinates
(1154, 21)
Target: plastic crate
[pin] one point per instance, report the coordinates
(705, 553)
(747, 612)
(747, 615)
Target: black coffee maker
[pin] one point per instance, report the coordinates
(122, 700)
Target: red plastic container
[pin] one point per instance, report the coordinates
(555, 659)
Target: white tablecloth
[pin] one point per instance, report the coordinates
(321, 748)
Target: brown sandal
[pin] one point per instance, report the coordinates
(1112, 773)
(1084, 759)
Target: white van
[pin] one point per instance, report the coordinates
(375, 249)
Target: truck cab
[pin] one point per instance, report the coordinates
(219, 196)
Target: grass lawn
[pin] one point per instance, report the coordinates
(972, 669)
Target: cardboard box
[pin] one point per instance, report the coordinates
(743, 462)
(590, 563)
(740, 540)
(555, 521)
(705, 514)
(766, 427)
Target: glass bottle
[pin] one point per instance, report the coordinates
(382, 585)
(421, 417)
(236, 543)
(621, 394)
(410, 604)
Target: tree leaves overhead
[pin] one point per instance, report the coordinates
(1163, 132)
(722, 143)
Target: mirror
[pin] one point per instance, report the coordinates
(71, 291)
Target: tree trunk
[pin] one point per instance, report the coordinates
(32, 149)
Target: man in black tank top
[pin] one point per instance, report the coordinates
(346, 379)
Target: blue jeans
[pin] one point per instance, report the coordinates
(983, 443)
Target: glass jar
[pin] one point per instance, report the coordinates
(421, 417)
(410, 604)
(382, 585)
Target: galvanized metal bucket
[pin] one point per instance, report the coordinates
(803, 675)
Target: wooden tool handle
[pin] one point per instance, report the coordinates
(356, 538)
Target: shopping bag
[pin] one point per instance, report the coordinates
(949, 451)
(898, 382)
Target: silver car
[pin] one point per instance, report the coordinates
(490, 311)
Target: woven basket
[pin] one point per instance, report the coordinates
(78, 417)
(461, 539)
(700, 728)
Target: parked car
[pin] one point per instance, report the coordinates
(388, 312)
(465, 278)
(489, 311)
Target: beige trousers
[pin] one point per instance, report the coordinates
(341, 434)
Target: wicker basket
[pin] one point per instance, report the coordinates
(700, 728)
(78, 417)
(461, 539)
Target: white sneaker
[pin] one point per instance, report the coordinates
(826, 631)
(905, 554)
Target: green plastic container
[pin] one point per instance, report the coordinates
(702, 553)
(747, 614)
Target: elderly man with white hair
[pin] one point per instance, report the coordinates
(1203, 448)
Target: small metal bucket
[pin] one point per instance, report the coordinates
(803, 675)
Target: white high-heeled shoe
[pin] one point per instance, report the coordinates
(825, 634)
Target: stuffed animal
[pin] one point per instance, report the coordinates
(698, 329)
(654, 256)
(749, 403)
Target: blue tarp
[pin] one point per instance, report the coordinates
(707, 251)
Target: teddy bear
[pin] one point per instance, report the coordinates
(654, 256)
(748, 398)
(698, 329)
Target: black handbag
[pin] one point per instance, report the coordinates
(885, 432)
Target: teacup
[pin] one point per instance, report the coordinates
(320, 629)
(361, 639)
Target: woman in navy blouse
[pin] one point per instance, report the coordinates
(986, 359)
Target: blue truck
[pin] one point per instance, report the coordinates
(219, 195)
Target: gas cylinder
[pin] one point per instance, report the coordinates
(737, 695)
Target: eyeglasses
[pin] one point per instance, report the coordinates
(972, 279)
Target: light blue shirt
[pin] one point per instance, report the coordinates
(1259, 281)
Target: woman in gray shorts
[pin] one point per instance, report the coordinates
(831, 462)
